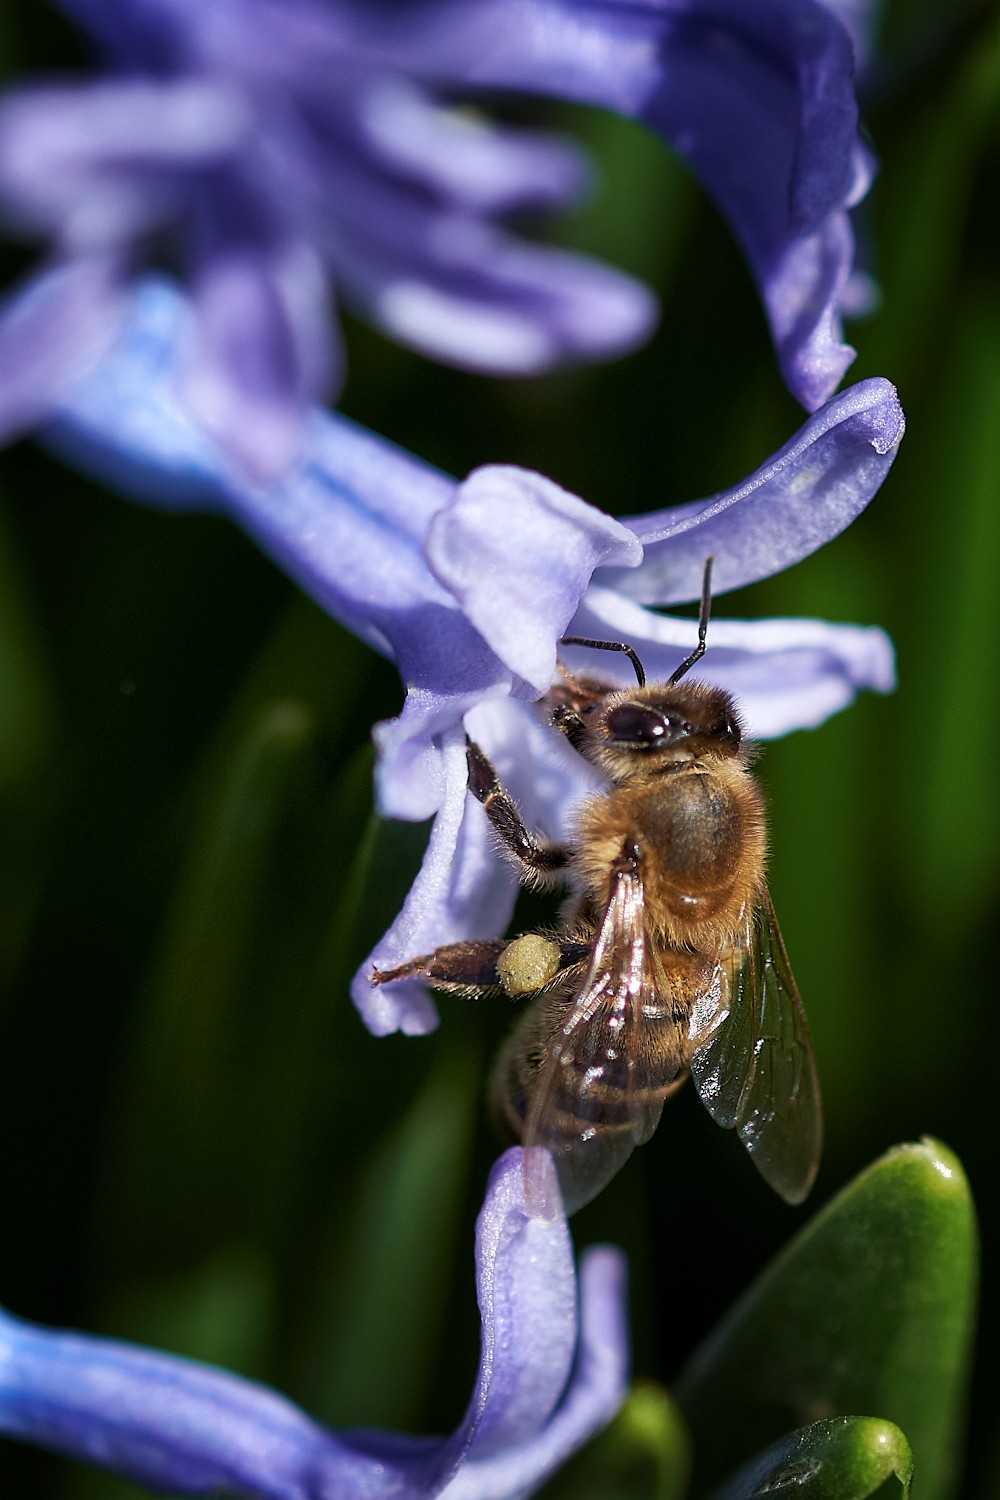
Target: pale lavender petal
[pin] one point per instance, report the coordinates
(595, 1393)
(261, 353)
(545, 775)
(800, 499)
(528, 1306)
(858, 19)
(53, 328)
(462, 158)
(408, 776)
(465, 293)
(526, 1287)
(462, 890)
(403, 196)
(100, 162)
(517, 552)
(805, 293)
(124, 424)
(785, 674)
(169, 1423)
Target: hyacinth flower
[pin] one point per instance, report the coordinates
(286, 155)
(468, 587)
(553, 1368)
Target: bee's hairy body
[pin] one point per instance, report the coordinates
(700, 835)
(669, 958)
(698, 831)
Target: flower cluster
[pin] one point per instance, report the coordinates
(282, 154)
(468, 587)
(275, 156)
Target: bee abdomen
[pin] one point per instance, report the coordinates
(615, 1091)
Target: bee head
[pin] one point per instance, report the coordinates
(652, 729)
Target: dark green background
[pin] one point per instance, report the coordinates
(199, 1145)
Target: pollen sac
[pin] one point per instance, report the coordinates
(528, 963)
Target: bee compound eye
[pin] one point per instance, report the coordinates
(631, 724)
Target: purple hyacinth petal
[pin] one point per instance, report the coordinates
(460, 890)
(545, 775)
(186, 1428)
(758, 99)
(408, 777)
(785, 674)
(527, 1302)
(459, 156)
(858, 19)
(517, 552)
(502, 307)
(166, 1422)
(98, 163)
(260, 356)
(123, 422)
(806, 494)
(52, 329)
(594, 1395)
(436, 274)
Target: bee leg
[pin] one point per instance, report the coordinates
(465, 967)
(515, 966)
(538, 859)
(568, 722)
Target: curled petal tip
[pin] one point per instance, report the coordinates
(511, 525)
(890, 428)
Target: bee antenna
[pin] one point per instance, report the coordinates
(580, 640)
(703, 618)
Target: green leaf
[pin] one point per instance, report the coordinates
(950, 835)
(200, 1064)
(376, 1333)
(925, 199)
(643, 202)
(645, 1454)
(868, 1310)
(203, 964)
(845, 1458)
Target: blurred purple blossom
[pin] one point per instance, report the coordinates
(468, 586)
(553, 1368)
(281, 152)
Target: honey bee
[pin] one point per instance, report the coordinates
(669, 960)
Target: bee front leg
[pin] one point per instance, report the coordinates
(537, 858)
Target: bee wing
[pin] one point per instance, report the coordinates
(599, 1092)
(752, 1058)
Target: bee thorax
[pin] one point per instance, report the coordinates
(700, 842)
